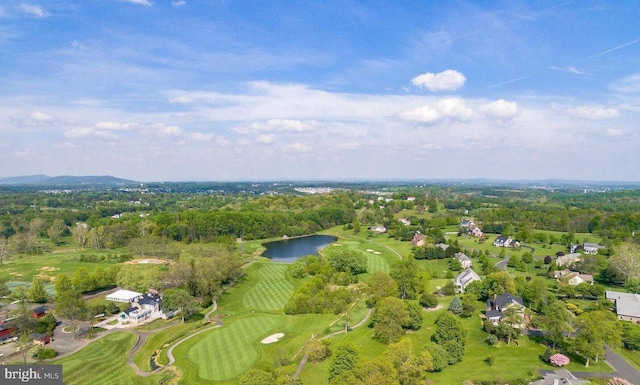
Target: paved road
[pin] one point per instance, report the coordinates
(502, 265)
(622, 367)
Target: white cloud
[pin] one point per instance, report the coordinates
(448, 80)
(200, 137)
(296, 147)
(627, 85)
(614, 132)
(33, 10)
(164, 129)
(445, 108)
(115, 126)
(40, 116)
(266, 139)
(593, 113)
(82, 132)
(178, 3)
(501, 108)
(141, 2)
(277, 125)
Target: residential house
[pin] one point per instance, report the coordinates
(7, 331)
(572, 278)
(379, 229)
(418, 239)
(39, 312)
(499, 303)
(41, 339)
(142, 307)
(568, 259)
(443, 246)
(465, 224)
(135, 315)
(405, 221)
(476, 232)
(559, 377)
(464, 260)
(627, 305)
(502, 241)
(411, 198)
(464, 279)
(591, 248)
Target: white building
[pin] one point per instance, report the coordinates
(123, 296)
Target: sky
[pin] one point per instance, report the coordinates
(224, 90)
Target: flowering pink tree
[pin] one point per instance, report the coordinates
(618, 381)
(559, 359)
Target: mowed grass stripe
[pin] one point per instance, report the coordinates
(228, 352)
(376, 263)
(103, 362)
(272, 292)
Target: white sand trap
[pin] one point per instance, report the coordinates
(272, 338)
(369, 250)
(336, 244)
(377, 252)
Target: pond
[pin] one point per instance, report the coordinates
(289, 250)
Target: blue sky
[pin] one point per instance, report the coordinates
(270, 90)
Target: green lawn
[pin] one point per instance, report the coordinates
(105, 362)
(272, 291)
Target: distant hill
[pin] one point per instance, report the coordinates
(65, 180)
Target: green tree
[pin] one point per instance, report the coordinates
(344, 359)
(37, 292)
(594, 330)
(439, 356)
(633, 285)
(429, 300)
(348, 260)
(69, 303)
(556, 322)
(451, 335)
(179, 299)
(56, 230)
(499, 283)
(455, 306)
(415, 316)
(381, 285)
(391, 314)
(408, 276)
(257, 377)
(410, 368)
(369, 372)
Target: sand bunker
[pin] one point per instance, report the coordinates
(336, 244)
(272, 338)
(369, 250)
(377, 252)
(49, 268)
(154, 261)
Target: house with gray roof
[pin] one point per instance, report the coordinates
(627, 305)
(568, 259)
(465, 261)
(559, 377)
(464, 279)
(499, 303)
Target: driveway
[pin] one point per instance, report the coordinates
(502, 265)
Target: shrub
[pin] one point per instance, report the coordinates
(491, 360)
(546, 356)
(429, 300)
(46, 354)
(559, 360)
(456, 305)
(492, 339)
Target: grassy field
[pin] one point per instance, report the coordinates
(47, 266)
(105, 362)
(272, 291)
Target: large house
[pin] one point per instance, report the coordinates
(143, 306)
(568, 259)
(464, 260)
(572, 278)
(464, 279)
(627, 305)
(471, 228)
(591, 248)
(502, 241)
(498, 304)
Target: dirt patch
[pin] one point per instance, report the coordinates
(434, 308)
(49, 268)
(150, 261)
(272, 338)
